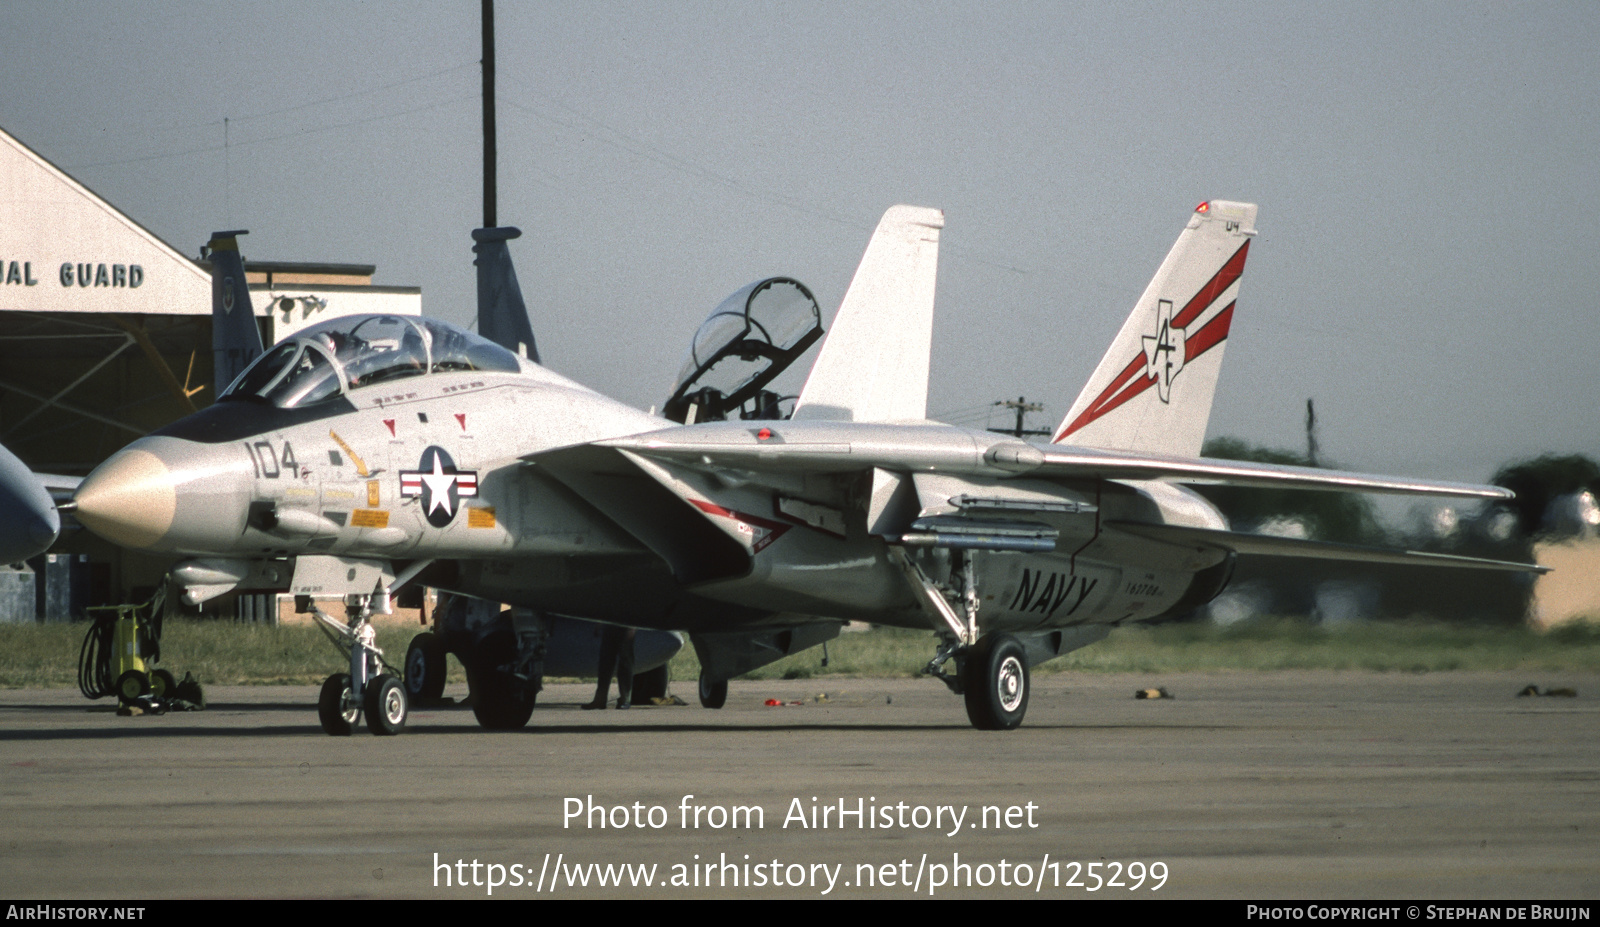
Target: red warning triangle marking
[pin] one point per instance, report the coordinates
(390, 423)
(462, 418)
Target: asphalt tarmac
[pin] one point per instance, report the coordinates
(1249, 786)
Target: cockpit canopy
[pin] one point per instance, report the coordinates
(749, 339)
(327, 360)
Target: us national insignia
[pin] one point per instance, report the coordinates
(440, 485)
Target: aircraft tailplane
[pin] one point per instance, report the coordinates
(502, 315)
(1152, 391)
(874, 363)
(235, 334)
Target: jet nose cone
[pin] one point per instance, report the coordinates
(28, 519)
(129, 500)
(27, 531)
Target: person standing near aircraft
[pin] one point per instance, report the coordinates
(616, 656)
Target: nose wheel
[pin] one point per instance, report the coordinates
(366, 688)
(385, 705)
(994, 681)
(337, 708)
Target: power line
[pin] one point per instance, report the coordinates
(273, 138)
(632, 144)
(146, 130)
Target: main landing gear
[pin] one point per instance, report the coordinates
(713, 692)
(367, 688)
(991, 669)
(425, 666)
(505, 679)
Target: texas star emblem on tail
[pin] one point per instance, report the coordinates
(758, 541)
(1200, 275)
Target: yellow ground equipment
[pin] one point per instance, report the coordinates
(121, 646)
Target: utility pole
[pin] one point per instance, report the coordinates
(488, 116)
(1022, 407)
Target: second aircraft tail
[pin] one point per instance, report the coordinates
(874, 363)
(235, 334)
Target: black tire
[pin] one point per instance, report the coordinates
(163, 684)
(385, 705)
(336, 707)
(713, 692)
(651, 684)
(501, 703)
(132, 685)
(425, 666)
(995, 683)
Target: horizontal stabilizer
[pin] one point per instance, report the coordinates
(1271, 546)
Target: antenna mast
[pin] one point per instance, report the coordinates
(488, 116)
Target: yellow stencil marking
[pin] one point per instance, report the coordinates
(369, 518)
(372, 493)
(361, 465)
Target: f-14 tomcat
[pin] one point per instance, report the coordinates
(369, 452)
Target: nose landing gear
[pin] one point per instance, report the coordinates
(366, 688)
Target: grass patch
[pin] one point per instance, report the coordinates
(223, 653)
(217, 652)
(1268, 644)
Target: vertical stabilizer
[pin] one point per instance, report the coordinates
(235, 334)
(1152, 391)
(874, 363)
(502, 315)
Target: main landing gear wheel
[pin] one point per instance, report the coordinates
(713, 692)
(425, 666)
(385, 705)
(500, 701)
(336, 707)
(995, 683)
(501, 704)
(650, 685)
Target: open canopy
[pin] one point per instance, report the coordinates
(753, 336)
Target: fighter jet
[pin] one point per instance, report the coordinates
(28, 519)
(371, 452)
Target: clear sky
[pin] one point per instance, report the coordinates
(1427, 266)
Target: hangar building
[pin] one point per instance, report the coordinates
(105, 336)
